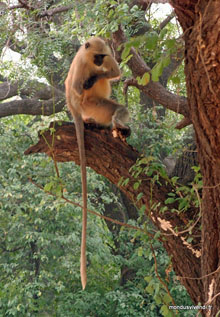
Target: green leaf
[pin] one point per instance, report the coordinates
(172, 194)
(48, 186)
(157, 71)
(140, 251)
(166, 61)
(120, 181)
(151, 41)
(136, 185)
(170, 43)
(183, 204)
(125, 182)
(144, 80)
(175, 79)
(149, 289)
(148, 278)
(142, 210)
(164, 310)
(139, 196)
(125, 51)
(170, 200)
(167, 299)
(163, 32)
(158, 299)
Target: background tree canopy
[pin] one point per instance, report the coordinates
(154, 198)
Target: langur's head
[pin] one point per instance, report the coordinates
(97, 46)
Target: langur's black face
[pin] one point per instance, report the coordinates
(98, 59)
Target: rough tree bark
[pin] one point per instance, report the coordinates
(114, 160)
(200, 20)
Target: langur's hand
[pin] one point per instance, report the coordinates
(110, 68)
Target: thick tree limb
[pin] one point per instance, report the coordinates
(113, 158)
(32, 107)
(8, 90)
(161, 95)
(42, 99)
(154, 90)
(34, 89)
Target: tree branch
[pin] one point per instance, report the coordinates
(114, 158)
(154, 90)
(32, 107)
(164, 23)
(45, 13)
(34, 89)
(42, 99)
(55, 11)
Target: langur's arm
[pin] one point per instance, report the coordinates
(109, 68)
(106, 67)
(80, 76)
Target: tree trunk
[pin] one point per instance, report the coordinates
(201, 25)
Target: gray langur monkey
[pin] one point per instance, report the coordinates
(88, 89)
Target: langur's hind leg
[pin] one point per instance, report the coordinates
(105, 112)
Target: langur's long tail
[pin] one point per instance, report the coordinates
(81, 145)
